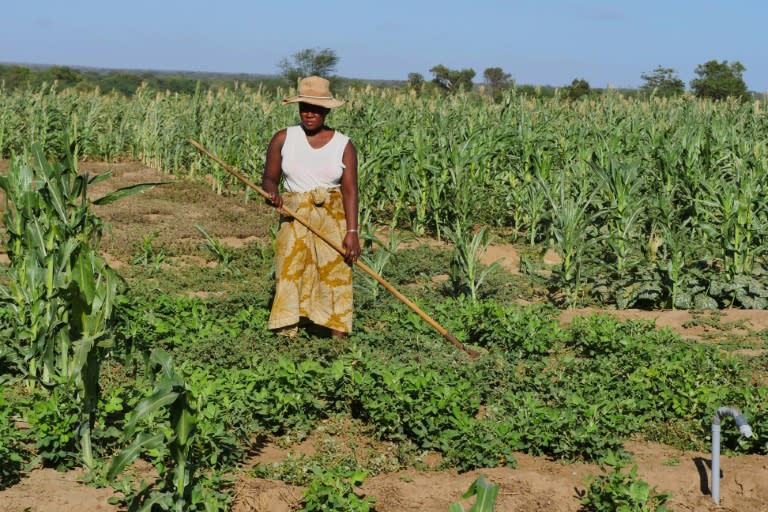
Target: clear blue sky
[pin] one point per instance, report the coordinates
(543, 42)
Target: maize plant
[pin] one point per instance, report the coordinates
(61, 293)
(428, 160)
(178, 487)
(467, 272)
(380, 258)
(572, 229)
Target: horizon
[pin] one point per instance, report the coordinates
(256, 76)
(549, 43)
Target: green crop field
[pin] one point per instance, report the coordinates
(651, 204)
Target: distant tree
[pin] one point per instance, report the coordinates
(308, 62)
(64, 74)
(15, 76)
(662, 82)
(578, 88)
(720, 80)
(174, 83)
(496, 79)
(122, 82)
(452, 79)
(415, 80)
(441, 76)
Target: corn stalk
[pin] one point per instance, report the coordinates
(176, 486)
(467, 272)
(61, 292)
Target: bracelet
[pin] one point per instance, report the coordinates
(351, 231)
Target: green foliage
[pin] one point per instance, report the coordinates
(216, 249)
(335, 491)
(603, 335)
(179, 486)
(149, 255)
(618, 491)
(342, 446)
(418, 263)
(523, 332)
(19, 78)
(409, 400)
(453, 79)
(497, 80)
(55, 421)
(720, 80)
(415, 81)
(470, 443)
(578, 89)
(662, 82)
(309, 62)
(511, 152)
(13, 451)
(61, 293)
(380, 259)
(485, 494)
(206, 331)
(570, 393)
(572, 219)
(290, 395)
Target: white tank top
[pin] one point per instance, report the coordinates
(305, 167)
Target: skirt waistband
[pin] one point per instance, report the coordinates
(318, 195)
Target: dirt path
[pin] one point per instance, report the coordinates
(535, 485)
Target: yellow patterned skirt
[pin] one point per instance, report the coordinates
(313, 280)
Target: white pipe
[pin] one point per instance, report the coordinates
(744, 428)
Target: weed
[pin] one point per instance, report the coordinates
(13, 451)
(622, 491)
(55, 422)
(216, 249)
(331, 490)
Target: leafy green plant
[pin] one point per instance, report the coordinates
(54, 419)
(470, 443)
(13, 450)
(335, 491)
(485, 494)
(679, 257)
(619, 491)
(179, 488)
(409, 401)
(527, 331)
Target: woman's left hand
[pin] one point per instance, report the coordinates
(351, 246)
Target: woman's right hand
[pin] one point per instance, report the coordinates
(275, 200)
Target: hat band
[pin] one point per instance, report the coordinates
(316, 97)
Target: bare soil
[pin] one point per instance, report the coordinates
(171, 211)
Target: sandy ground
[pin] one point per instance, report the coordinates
(537, 484)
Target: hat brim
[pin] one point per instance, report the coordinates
(320, 102)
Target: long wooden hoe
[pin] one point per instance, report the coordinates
(362, 266)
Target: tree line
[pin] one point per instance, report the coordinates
(123, 82)
(714, 79)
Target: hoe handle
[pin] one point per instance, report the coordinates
(365, 268)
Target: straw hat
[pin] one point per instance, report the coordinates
(315, 90)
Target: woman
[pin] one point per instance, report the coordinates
(319, 168)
